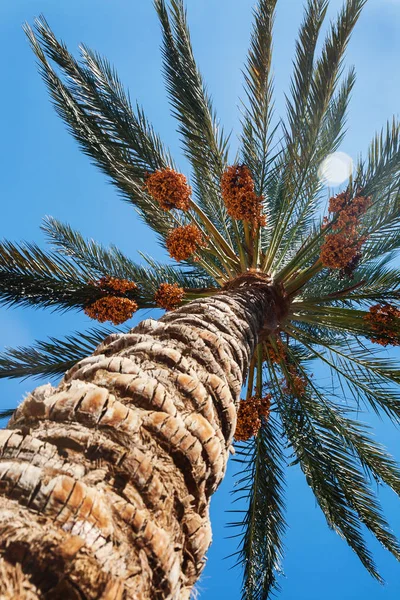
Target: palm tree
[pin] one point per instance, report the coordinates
(106, 479)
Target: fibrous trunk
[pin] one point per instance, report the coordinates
(105, 480)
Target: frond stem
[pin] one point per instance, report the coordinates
(259, 370)
(210, 227)
(293, 287)
(242, 254)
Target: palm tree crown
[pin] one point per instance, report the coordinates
(258, 215)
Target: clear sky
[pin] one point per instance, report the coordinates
(44, 173)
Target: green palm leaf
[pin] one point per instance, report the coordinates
(30, 276)
(111, 261)
(261, 482)
(373, 458)
(256, 138)
(6, 413)
(368, 381)
(50, 358)
(97, 112)
(330, 136)
(204, 142)
(279, 176)
(308, 114)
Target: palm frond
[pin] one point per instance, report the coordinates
(359, 448)
(374, 282)
(281, 174)
(187, 278)
(332, 131)
(256, 139)
(382, 166)
(315, 98)
(374, 458)
(336, 317)
(111, 261)
(369, 380)
(6, 413)
(379, 178)
(337, 431)
(317, 465)
(330, 137)
(50, 358)
(94, 256)
(297, 105)
(29, 276)
(261, 482)
(301, 83)
(383, 232)
(97, 111)
(120, 140)
(204, 142)
(331, 471)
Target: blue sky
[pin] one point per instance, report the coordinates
(43, 173)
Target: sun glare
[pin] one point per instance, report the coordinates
(335, 168)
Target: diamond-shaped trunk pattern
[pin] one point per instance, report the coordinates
(106, 480)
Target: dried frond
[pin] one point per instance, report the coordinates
(169, 188)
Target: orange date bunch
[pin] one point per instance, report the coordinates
(275, 355)
(249, 416)
(342, 248)
(111, 308)
(295, 384)
(384, 320)
(169, 188)
(183, 242)
(114, 306)
(114, 284)
(240, 199)
(169, 296)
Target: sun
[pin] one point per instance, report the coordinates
(335, 168)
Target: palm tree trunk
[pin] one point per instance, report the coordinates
(106, 480)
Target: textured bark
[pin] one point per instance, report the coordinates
(106, 480)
